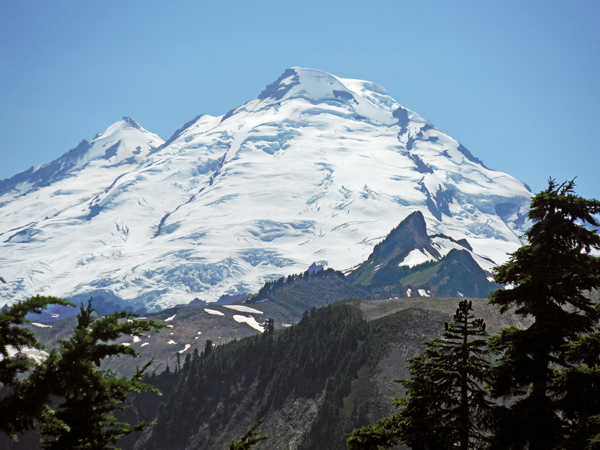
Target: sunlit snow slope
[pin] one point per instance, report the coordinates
(316, 168)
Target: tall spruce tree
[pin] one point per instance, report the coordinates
(446, 406)
(549, 279)
(87, 395)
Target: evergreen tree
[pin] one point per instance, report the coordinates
(446, 406)
(249, 439)
(580, 402)
(87, 395)
(549, 278)
(208, 348)
(18, 408)
(269, 327)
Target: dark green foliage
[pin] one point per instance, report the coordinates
(580, 388)
(19, 407)
(446, 406)
(249, 439)
(87, 395)
(383, 434)
(551, 278)
(144, 406)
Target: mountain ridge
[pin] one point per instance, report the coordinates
(315, 169)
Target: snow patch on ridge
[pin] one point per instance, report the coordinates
(251, 321)
(417, 257)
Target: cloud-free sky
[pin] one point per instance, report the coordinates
(517, 83)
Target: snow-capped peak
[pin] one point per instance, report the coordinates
(317, 86)
(310, 84)
(126, 122)
(124, 140)
(123, 143)
(316, 168)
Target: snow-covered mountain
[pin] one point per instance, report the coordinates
(316, 168)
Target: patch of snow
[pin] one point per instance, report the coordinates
(136, 339)
(12, 351)
(242, 308)
(214, 312)
(423, 293)
(199, 332)
(40, 325)
(33, 353)
(145, 343)
(169, 326)
(171, 342)
(250, 321)
(187, 346)
(417, 257)
(460, 294)
(170, 318)
(126, 344)
(408, 292)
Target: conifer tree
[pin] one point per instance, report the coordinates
(446, 406)
(19, 408)
(248, 439)
(549, 279)
(87, 395)
(269, 327)
(208, 348)
(580, 400)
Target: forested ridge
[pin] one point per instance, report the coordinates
(326, 360)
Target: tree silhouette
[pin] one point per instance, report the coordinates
(20, 407)
(87, 395)
(549, 280)
(249, 439)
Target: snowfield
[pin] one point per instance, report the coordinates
(315, 169)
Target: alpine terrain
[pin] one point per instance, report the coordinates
(316, 169)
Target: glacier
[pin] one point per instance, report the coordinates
(316, 168)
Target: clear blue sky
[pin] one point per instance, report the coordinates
(517, 83)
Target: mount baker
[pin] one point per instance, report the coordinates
(315, 169)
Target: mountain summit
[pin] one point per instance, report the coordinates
(316, 168)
